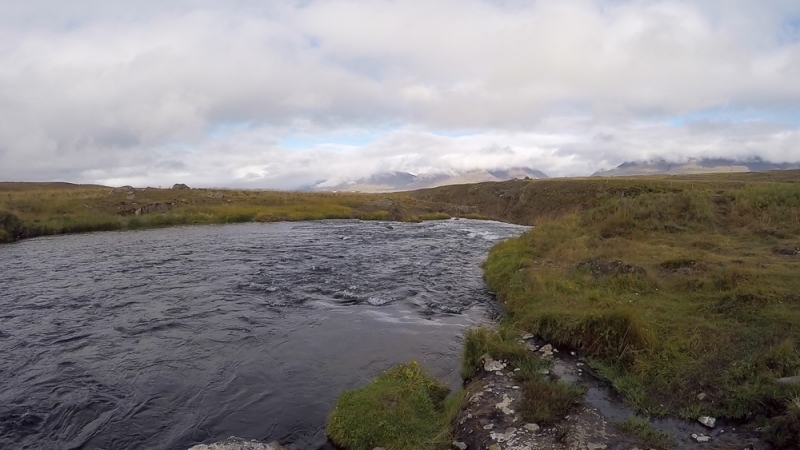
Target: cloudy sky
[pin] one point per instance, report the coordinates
(286, 93)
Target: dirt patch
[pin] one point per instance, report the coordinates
(603, 268)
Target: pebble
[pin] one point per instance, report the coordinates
(527, 336)
(459, 445)
(532, 427)
(700, 437)
(701, 396)
(707, 421)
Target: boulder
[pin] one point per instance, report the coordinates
(180, 187)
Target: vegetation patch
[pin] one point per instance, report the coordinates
(500, 344)
(546, 402)
(403, 408)
(662, 316)
(643, 430)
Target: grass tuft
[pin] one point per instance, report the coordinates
(643, 430)
(403, 408)
(546, 402)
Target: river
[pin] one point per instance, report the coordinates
(162, 339)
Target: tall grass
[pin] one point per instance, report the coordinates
(672, 294)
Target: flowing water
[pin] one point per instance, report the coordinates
(162, 339)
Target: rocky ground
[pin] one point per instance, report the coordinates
(490, 420)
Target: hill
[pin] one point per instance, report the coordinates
(404, 181)
(693, 166)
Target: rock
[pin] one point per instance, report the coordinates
(707, 421)
(789, 380)
(532, 427)
(701, 396)
(491, 365)
(218, 195)
(546, 350)
(701, 437)
(527, 336)
(234, 443)
(459, 445)
(504, 405)
(180, 187)
(503, 437)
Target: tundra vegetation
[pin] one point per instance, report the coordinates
(673, 287)
(40, 209)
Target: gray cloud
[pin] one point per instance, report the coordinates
(208, 92)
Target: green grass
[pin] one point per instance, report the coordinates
(37, 209)
(643, 430)
(672, 290)
(403, 408)
(546, 402)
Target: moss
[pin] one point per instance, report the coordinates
(403, 408)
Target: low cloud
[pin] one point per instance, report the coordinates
(209, 92)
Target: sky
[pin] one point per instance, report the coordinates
(283, 94)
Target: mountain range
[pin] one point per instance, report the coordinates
(396, 181)
(700, 165)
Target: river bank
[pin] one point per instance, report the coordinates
(679, 293)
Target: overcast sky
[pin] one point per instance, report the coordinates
(286, 93)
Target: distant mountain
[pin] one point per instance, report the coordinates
(404, 181)
(705, 165)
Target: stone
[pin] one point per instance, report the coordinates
(234, 443)
(493, 366)
(488, 426)
(532, 427)
(180, 187)
(789, 380)
(505, 436)
(218, 195)
(701, 437)
(701, 396)
(504, 405)
(546, 350)
(459, 445)
(527, 336)
(707, 421)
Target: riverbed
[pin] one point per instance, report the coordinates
(162, 339)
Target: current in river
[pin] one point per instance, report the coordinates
(162, 339)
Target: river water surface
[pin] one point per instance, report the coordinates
(162, 339)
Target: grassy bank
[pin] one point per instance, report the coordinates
(37, 209)
(675, 288)
(403, 408)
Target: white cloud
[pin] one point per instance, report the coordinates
(122, 92)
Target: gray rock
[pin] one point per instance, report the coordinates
(701, 437)
(527, 336)
(707, 421)
(180, 187)
(234, 443)
(491, 365)
(789, 380)
(459, 445)
(701, 396)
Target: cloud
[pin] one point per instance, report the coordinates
(206, 91)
